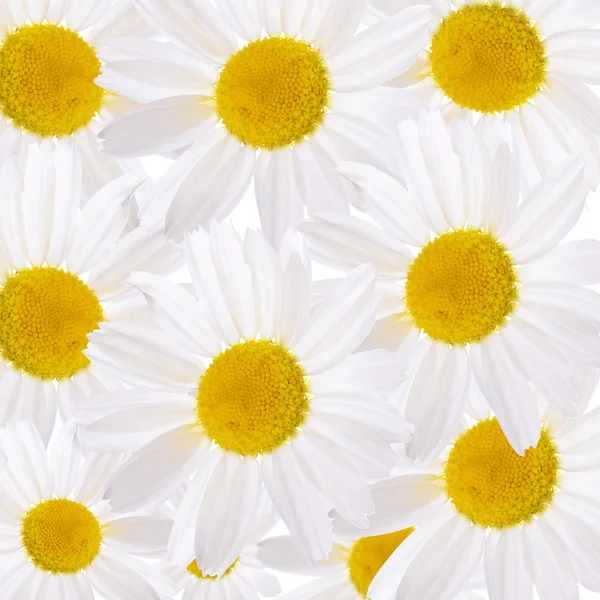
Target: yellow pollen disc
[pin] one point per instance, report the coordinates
(45, 317)
(488, 57)
(194, 570)
(369, 554)
(461, 287)
(492, 485)
(273, 92)
(253, 397)
(61, 536)
(47, 77)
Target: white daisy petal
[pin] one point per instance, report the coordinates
(234, 275)
(84, 13)
(180, 310)
(575, 262)
(153, 472)
(440, 369)
(536, 354)
(548, 214)
(380, 52)
(368, 451)
(157, 127)
(280, 553)
(67, 195)
(387, 201)
(582, 544)
(274, 172)
(581, 101)
(222, 526)
(244, 18)
(506, 572)
(113, 579)
(197, 27)
(206, 284)
(295, 301)
(267, 279)
(445, 563)
(139, 535)
(342, 241)
(376, 372)
(399, 502)
(548, 563)
(339, 324)
(126, 420)
(332, 22)
(504, 193)
(101, 222)
(220, 178)
(338, 479)
(507, 391)
(576, 52)
(299, 504)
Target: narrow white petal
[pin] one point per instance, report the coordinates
(381, 52)
(157, 127)
(340, 324)
(195, 26)
(299, 504)
(101, 222)
(213, 188)
(152, 474)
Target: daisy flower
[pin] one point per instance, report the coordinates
(474, 279)
(247, 578)
(348, 571)
(531, 520)
(244, 387)
(529, 64)
(49, 58)
(59, 538)
(62, 272)
(283, 88)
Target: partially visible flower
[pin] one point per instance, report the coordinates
(529, 64)
(63, 271)
(60, 539)
(49, 59)
(348, 571)
(528, 521)
(246, 579)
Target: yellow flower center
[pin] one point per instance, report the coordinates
(488, 57)
(47, 77)
(61, 536)
(45, 316)
(253, 397)
(196, 571)
(369, 554)
(492, 485)
(461, 287)
(273, 92)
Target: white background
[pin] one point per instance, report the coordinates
(246, 216)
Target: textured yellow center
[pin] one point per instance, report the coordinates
(196, 571)
(273, 92)
(369, 554)
(492, 485)
(45, 317)
(488, 57)
(47, 77)
(253, 397)
(461, 287)
(61, 536)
